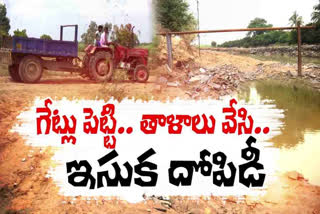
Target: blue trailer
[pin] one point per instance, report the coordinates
(30, 56)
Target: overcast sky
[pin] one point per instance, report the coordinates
(45, 16)
(227, 14)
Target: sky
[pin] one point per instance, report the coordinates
(229, 14)
(45, 16)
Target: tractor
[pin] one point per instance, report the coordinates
(100, 62)
(30, 56)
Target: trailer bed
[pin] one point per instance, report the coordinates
(46, 48)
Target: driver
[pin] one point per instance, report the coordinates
(98, 36)
(104, 37)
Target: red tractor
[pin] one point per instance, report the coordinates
(100, 62)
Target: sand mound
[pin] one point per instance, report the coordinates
(182, 51)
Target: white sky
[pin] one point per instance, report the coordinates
(228, 14)
(45, 16)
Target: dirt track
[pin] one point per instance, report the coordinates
(24, 188)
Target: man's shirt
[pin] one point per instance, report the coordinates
(104, 38)
(98, 37)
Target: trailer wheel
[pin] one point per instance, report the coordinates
(141, 73)
(30, 69)
(14, 73)
(101, 66)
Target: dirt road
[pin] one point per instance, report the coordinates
(25, 189)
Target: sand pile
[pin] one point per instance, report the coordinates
(183, 52)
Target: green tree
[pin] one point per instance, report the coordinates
(213, 44)
(258, 23)
(315, 17)
(174, 15)
(4, 21)
(20, 33)
(45, 37)
(89, 36)
(309, 36)
(295, 19)
(124, 35)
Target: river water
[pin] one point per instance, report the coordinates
(299, 142)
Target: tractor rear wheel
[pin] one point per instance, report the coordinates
(14, 73)
(141, 73)
(101, 66)
(30, 69)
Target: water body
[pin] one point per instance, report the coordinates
(299, 142)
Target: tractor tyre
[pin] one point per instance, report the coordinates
(101, 67)
(14, 73)
(30, 69)
(141, 73)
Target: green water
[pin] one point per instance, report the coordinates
(299, 141)
(284, 58)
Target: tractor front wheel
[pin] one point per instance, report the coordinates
(101, 66)
(141, 73)
(14, 73)
(30, 69)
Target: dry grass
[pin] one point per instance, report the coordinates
(3, 70)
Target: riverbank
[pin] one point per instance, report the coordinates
(307, 50)
(216, 74)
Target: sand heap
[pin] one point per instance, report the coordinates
(183, 52)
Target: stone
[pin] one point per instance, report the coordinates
(202, 70)
(202, 78)
(216, 86)
(295, 175)
(173, 84)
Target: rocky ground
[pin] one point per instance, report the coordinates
(25, 189)
(216, 74)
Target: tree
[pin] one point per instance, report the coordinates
(45, 37)
(315, 17)
(174, 15)
(4, 21)
(20, 33)
(213, 44)
(89, 36)
(295, 19)
(124, 35)
(258, 23)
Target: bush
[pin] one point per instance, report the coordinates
(124, 35)
(45, 37)
(213, 44)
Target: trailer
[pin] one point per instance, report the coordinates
(30, 56)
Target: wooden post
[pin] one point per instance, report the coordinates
(299, 50)
(169, 50)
